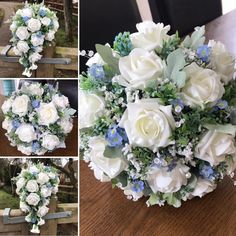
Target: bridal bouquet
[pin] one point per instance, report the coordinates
(32, 27)
(158, 115)
(35, 186)
(37, 118)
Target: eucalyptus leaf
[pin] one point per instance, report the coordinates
(121, 178)
(172, 200)
(226, 129)
(107, 55)
(197, 38)
(153, 199)
(112, 152)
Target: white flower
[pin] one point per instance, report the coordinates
(33, 199)
(6, 105)
(20, 105)
(42, 211)
(202, 86)
(32, 186)
(34, 88)
(91, 105)
(55, 190)
(41, 222)
(28, 218)
(222, 61)
(34, 57)
(203, 187)
(7, 125)
(66, 125)
(26, 12)
(98, 173)
(46, 21)
(34, 25)
(42, 178)
(27, 72)
(25, 150)
(23, 46)
(60, 101)
(149, 35)
(37, 40)
(110, 166)
(50, 141)
(148, 124)
(13, 26)
(51, 175)
(22, 33)
(140, 68)
(96, 59)
(132, 194)
(50, 35)
(20, 183)
(35, 229)
(47, 114)
(45, 191)
(26, 133)
(24, 207)
(55, 24)
(33, 170)
(162, 180)
(214, 147)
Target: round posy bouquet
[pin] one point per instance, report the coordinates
(33, 27)
(158, 115)
(35, 186)
(37, 118)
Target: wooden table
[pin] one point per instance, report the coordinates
(106, 211)
(71, 141)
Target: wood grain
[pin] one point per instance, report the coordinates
(106, 211)
(71, 141)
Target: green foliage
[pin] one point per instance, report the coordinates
(88, 83)
(113, 152)
(123, 44)
(171, 199)
(121, 178)
(230, 92)
(169, 46)
(175, 63)
(101, 126)
(144, 155)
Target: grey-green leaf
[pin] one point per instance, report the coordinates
(112, 152)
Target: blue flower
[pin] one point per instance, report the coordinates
(207, 172)
(203, 52)
(138, 186)
(35, 146)
(16, 123)
(42, 12)
(178, 105)
(25, 18)
(96, 71)
(116, 136)
(172, 165)
(222, 104)
(35, 103)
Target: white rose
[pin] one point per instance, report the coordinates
(26, 12)
(42, 178)
(22, 33)
(98, 173)
(6, 106)
(34, 57)
(13, 26)
(33, 199)
(202, 86)
(60, 101)
(214, 147)
(55, 24)
(42, 211)
(149, 35)
(91, 106)
(50, 141)
(26, 133)
(45, 191)
(20, 183)
(140, 68)
(25, 150)
(34, 25)
(50, 35)
(33, 170)
(37, 40)
(162, 180)
(96, 59)
(7, 125)
(202, 188)
(110, 166)
(20, 105)
(23, 46)
(222, 61)
(148, 124)
(66, 125)
(24, 207)
(32, 186)
(46, 21)
(34, 88)
(41, 222)
(54, 190)
(47, 113)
